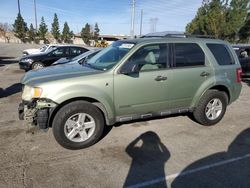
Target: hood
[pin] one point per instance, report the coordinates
(34, 56)
(54, 73)
(32, 50)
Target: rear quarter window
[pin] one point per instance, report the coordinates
(222, 54)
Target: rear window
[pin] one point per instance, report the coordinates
(188, 54)
(221, 54)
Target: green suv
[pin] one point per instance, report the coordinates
(132, 80)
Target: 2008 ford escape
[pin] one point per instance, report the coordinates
(129, 80)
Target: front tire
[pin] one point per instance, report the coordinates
(37, 65)
(78, 125)
(211, 108)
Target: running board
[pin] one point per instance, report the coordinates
(151, 115)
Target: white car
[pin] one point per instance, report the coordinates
(43, 49)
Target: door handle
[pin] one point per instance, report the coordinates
(161, 78)
(204, 74)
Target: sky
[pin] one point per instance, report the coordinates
(112, 16)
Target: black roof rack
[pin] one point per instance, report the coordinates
(201, 36)
(178, 35)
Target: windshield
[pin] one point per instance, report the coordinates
(51, 49)
(110, 56)
(43, 48)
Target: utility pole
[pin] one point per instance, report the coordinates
(153, 22)
(18, 4)
(35, 14)
(141, 22)
(132, 31)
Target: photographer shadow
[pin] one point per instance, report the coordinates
(11, 90)
(149, 156)
(227, 169)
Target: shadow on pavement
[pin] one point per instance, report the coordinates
(149, 156)
(15, 88)
(235, 173)
(7, 60)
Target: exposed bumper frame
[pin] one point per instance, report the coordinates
(36, 112)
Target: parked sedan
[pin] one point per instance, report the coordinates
(78, 59)
(243, 53)
(38, 61)
(43, 49)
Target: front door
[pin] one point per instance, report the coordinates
(143, 91)
(57, 54)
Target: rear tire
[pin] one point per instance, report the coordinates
(37, 65)
(78, 125)
(211, 108)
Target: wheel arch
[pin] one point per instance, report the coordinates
(224, 89)
(93, 101)
(219, 87)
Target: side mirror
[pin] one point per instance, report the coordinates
(82, 61)
(129, 69)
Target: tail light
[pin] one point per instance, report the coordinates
(239, 73)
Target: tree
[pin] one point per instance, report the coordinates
(4, 28)
(66, 33)
(216, 17)
(86, 34)
(43, 29)
(197, 26)
(209, 19)
(96, 32)
(31, 33)
(244, 32)
(20, 28)
(236, 17)
(55, 27)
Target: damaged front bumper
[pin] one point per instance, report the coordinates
(37, 112)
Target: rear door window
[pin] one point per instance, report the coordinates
(74, 51)
(221, 53)
(188, 54)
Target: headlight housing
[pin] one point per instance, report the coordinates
(31, 93)
(28, 60)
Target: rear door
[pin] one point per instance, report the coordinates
(190, 70)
